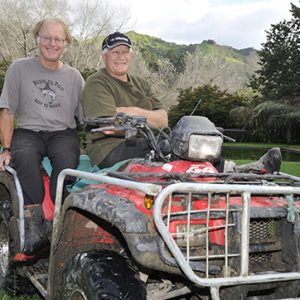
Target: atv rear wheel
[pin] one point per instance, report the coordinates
(101, 275)
(4, 250)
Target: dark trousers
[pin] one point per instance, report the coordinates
(28, 149)
(131, 148)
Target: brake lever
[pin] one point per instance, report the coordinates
(109, 121)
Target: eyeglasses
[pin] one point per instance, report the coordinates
(116, 53)
(48, 39)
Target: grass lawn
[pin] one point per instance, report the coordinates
(3, 296)
(294, 147)
(289, 167)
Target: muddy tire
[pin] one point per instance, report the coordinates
(233, 293)
(5, 255)
(288, 290)
(101, 275)
(12, 283)
(10, 280)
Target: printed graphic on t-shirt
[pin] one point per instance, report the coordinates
(48, 93)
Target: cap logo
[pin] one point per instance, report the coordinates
(119, 39)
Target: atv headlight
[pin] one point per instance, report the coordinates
(204, 147)
(196, 138)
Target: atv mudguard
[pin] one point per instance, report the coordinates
(94, 219)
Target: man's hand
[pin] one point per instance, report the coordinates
(114, 132)
(5, 159)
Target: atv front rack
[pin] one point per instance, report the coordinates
(182, 234)
(182, 241)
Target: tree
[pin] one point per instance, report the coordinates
(215, 65)
(17, 18)
(208, 101)
(270, 121)
(276, 115)
(279, 75)
(88, 20)
(161, 80)
(3, 67)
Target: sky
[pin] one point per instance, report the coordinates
(236, 23)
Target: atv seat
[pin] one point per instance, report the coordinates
(48, 206)
(84, 164)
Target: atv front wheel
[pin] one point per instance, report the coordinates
(100, 276)
(233, 293)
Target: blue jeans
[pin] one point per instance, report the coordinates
(28, 149)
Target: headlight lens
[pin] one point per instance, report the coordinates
(204, 146)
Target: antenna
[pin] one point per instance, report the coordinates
(196, 107)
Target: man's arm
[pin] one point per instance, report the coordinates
(156, 118)
(6, 132)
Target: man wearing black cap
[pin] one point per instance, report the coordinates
(112, 90)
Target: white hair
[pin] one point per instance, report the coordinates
(106, 50)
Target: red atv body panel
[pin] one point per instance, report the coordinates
(138, 198)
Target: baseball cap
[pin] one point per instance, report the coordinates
(115, 39)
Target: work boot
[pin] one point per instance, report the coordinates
(269, 163)
(49, 229)
(36, 238)
(36, 242)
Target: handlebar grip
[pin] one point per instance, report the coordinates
(100, 121)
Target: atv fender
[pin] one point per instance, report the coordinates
(94, 219)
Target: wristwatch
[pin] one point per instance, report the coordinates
(5, 149)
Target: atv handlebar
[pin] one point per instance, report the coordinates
(120, 119)
(131, 125)
(121, 122)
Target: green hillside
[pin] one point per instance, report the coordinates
(154, 48)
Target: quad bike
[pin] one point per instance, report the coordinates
(168, 226)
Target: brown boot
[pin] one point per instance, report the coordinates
(36, 238)
(268, 163)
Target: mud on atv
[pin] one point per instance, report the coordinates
(165, 227)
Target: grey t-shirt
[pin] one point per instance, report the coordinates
(40, 98)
